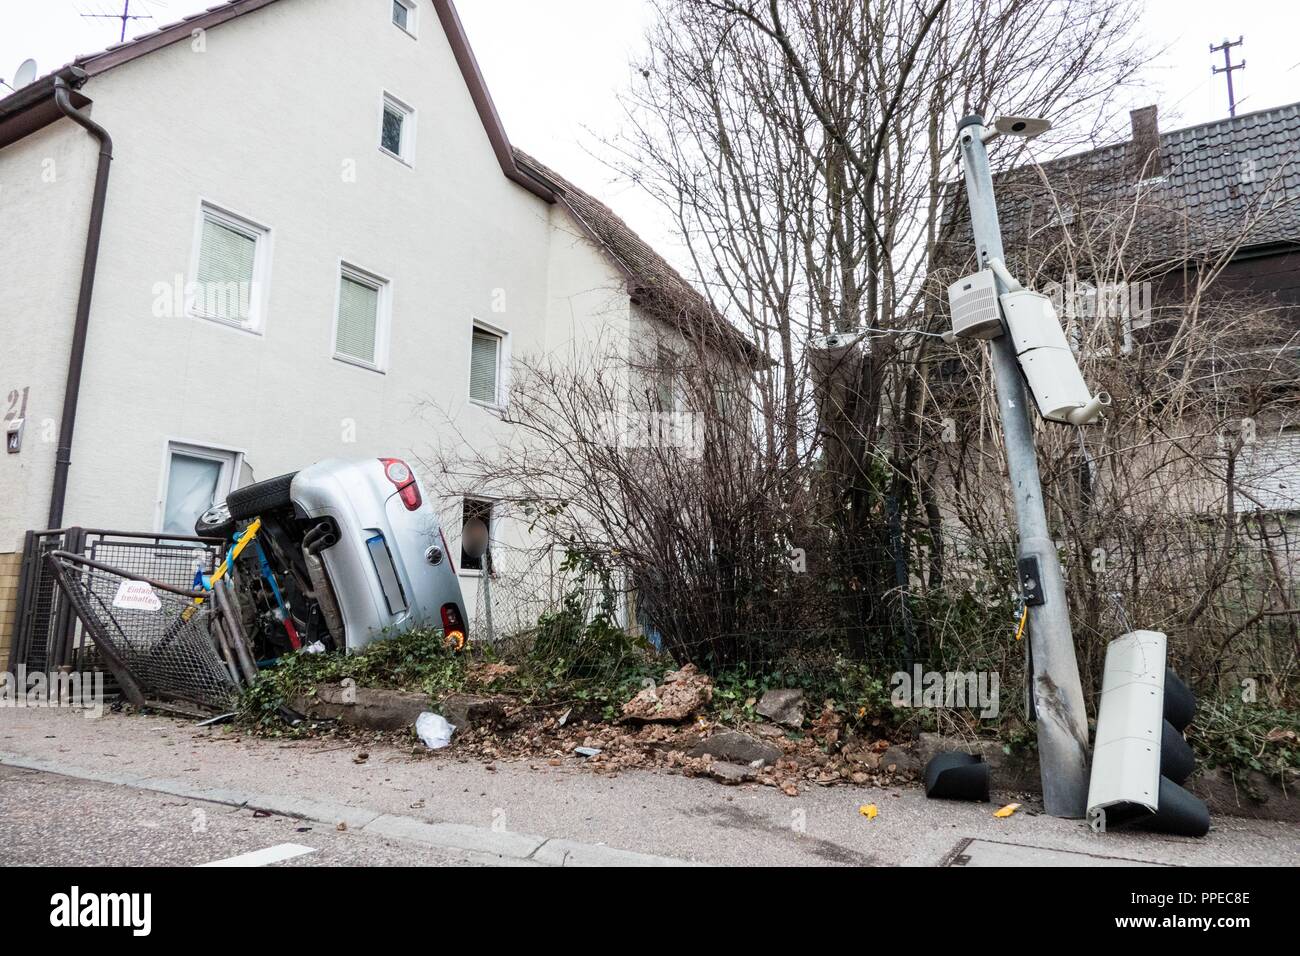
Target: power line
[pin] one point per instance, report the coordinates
(1228, 66)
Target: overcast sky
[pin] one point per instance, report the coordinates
(555, 67)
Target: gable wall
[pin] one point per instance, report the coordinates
(268, 119)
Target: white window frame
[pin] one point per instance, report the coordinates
(666, 361)
(231, 460)
(383, 319)
(407, 154)
(503, 366)
(412, 18)
(261, 281)
(493, 522)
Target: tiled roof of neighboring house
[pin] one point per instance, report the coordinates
(653, 284)
(1212, 183)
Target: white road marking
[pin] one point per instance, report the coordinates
(272, 854)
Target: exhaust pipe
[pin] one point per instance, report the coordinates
(323, 594)
(319, 538)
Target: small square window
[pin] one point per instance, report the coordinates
(485, 367)
(397, 129)
(359, 326)
(404, 15)
(476, 535)
(231, 259)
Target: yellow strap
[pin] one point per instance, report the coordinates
(1024, 616)
(233, 554)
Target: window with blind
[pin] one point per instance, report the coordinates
(485, 367)
(359, 325)
(228, 267)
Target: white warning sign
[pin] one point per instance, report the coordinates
(136, 596)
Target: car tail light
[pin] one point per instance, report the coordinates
(453, 625)
(403, 479)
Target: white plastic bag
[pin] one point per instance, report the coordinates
(434, 730)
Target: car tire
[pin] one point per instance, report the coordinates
(215, 523)
(260, 497)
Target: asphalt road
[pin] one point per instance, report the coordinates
(50, 820)
(411, 806)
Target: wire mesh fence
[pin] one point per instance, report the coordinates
(153, 636)
(48, 635)
(1228, 599)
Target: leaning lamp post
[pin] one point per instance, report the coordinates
(1057, 695)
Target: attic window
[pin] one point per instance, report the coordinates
(404, 15)
(397, 130)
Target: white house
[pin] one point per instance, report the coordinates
(313, 226)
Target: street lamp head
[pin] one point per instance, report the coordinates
(1026, 127)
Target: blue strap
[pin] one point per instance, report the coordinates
(265, 567)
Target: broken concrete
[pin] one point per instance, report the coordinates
(736, 747)
(732, 773)
(898, 759)
(784, 707)
(368, 707)
(682, 694)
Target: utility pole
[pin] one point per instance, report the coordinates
(125, 16)
(1228, 66)
(1057, 693)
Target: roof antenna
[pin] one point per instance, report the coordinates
(1228, 66)
(125, 16)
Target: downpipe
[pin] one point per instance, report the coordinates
(77, 354)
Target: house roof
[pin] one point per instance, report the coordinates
(651, 282)
(1215, 178)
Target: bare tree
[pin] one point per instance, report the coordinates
(802, 149)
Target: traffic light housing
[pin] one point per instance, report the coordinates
(1140, 758)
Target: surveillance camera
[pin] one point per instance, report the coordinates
(1026, 127)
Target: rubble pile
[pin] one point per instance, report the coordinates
(667, 727)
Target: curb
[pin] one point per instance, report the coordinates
(505, 845)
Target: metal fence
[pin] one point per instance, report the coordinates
(48, 636)
(161, 643)
(1229, 602)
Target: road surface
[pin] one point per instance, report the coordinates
(126, 789)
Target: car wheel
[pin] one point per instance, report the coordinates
(215, 523)
(260, 497)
